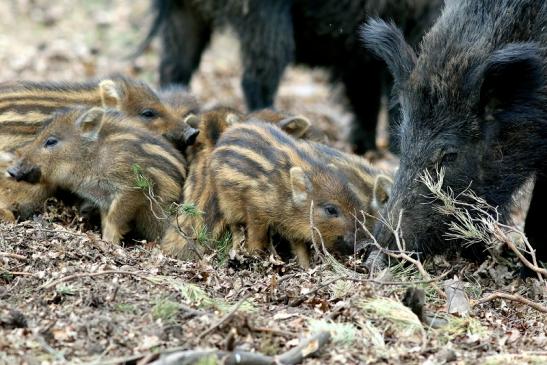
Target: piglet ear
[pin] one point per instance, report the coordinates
(300, 186)
(111, 94)
(512, 79)
(90, 123)
(381, 191)
(192, 120)
(295, 126)
(231, 119)
(387, 42)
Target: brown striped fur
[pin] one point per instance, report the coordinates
(26, 106)
(95, 156)
(247, 181)
(198, 189)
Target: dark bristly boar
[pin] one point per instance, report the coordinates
(26, 106)
(276, 33)
(474, 103)
(131, 174)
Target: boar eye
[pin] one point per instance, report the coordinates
(449, 157)
(331, 210)
(50, 142)
(149, 113)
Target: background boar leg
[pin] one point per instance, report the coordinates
(184, 38)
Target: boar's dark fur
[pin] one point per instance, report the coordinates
(275, 33)
(474, 103)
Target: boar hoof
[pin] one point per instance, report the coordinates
(6, 216)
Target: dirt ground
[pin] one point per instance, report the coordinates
(68, 297)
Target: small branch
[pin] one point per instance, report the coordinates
(419, 266)
(91, 274)
(308, 347)
(273, 331)
(401, 254)
(514, 298)
(225, 318)
(17, 273)
(523, 259)
(303, 297)
(13, 256)
(294, 356)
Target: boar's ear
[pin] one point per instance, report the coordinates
(110, 94)
(90, 123)
(192, 120)
(295, 126)
(387, 42)
(7, 156)
(231, 119)
(381, 191)
(511, 79)
(300, 186)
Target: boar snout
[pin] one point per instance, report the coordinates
(345, 245)
(190, 135)
(182, 139)
(30, 174)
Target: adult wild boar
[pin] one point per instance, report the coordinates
(474, 102)
(276, 33)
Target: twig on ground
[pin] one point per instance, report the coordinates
(303, 297)
(17, 273)
(532, 266)
(225, 318)
(402, 254)
(294, 356)
(92, 274)
(274, 331)
(191, 312)
(13, 255)
(512, 297)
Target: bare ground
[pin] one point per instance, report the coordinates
(68, 297)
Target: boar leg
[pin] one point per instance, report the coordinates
(177, 244)
(366, 113)
(184, 37)
(302, 253)
(115, 222)
(257, 234)
(6, 215)
(172, 242)
(265, 53)
(238, 237)
(535, 219)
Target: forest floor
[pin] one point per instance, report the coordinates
(68, 297)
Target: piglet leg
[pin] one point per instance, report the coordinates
(115, 222)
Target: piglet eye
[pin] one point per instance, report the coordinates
(50, 142)
(149, 113)
(331, 210)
